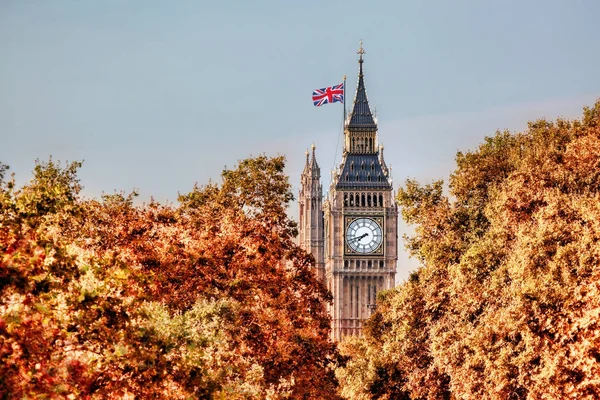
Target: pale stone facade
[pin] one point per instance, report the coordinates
(353, 234)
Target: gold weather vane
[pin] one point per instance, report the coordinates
(361, 51)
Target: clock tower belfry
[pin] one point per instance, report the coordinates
(360, 222)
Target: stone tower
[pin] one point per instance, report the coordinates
(359, 224)
(311, 212)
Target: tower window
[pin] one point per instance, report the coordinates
(380, 200)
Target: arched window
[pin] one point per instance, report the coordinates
(346, 197)
(380, 264)
(369, 201)
(351, 200)
(380, 200)
(363, 199)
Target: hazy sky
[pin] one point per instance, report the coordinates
(158, 95)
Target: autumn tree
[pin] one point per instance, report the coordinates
(211, 299)
(506, 303)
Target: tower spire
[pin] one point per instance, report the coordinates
(307, 164)
(313, 160)
(361, 117)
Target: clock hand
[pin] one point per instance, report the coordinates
(359, 237)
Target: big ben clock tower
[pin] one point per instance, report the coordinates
(358, 244)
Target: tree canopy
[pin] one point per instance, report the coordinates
(507, 301)
(211, 298)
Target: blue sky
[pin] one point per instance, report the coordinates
(158, 95)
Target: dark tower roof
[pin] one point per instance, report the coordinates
(362, 171)
(361, 116)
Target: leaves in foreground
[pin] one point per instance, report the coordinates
(100, 298)
(507, 302)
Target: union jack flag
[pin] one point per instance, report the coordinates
(330, 94)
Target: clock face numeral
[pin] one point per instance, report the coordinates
(364, 235)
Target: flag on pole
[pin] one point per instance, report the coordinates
(330, 94)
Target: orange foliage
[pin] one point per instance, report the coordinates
(506, 304)
(103, 298)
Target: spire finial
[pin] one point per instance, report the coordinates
(360, 52)
(313, 147)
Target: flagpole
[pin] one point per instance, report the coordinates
(344, 103)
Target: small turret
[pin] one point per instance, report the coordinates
(384, 167)
(313, 161)
(307, 164)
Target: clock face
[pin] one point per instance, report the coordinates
(364, 235)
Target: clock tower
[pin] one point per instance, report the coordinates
(359, 222)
